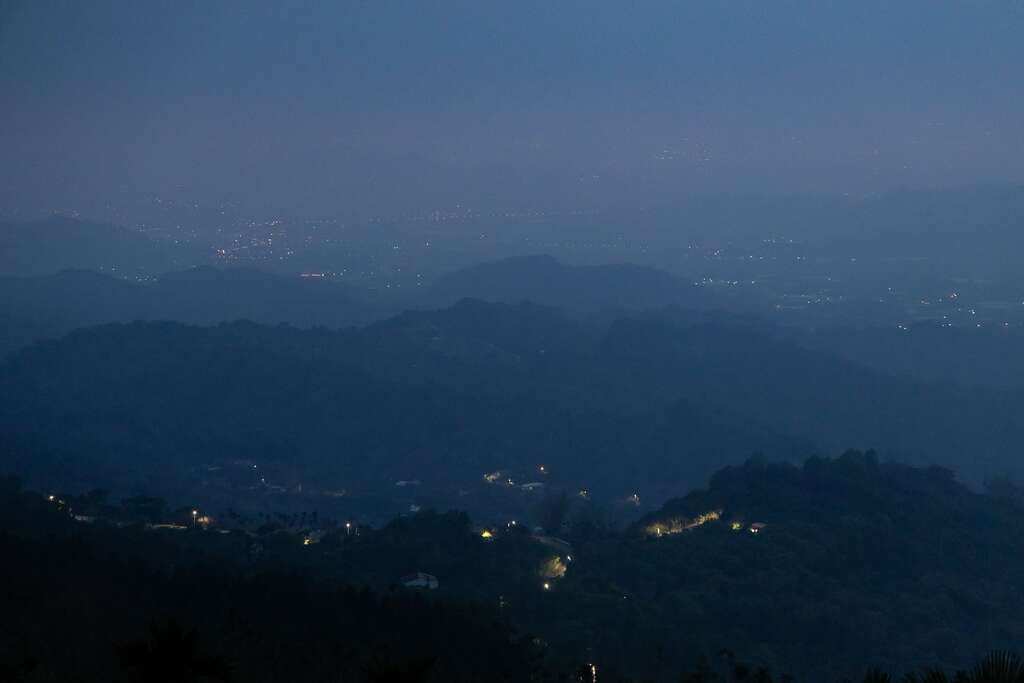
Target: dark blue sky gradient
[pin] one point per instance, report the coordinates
(364, 104)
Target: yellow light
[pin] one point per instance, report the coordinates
(553, 568)
(547, 586)
(736, 526)
(50, 498)
(486, 533)
(680, 524)
(306, 541)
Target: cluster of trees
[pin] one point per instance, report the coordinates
(87, 603)
(859, 561)
(857, 558)
(999, 666)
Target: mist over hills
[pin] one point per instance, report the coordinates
(46, 307)
(151, 403)
(989, 356)
(583, 290)
(62, 243)
(445, 397)
(974, 229)
(42, 307)
(969, 225)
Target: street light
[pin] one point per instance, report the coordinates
(194, 514)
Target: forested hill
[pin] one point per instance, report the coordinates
(159, 404)
(90, 602)
(855, 563)
(853, 559)
(447, 396)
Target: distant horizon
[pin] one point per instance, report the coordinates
(103, 216)
(374, 107)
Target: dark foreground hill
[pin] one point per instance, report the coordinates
(854, 556)
(855, 564)
(92, 603)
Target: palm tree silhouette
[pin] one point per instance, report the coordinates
(998, 667)
(933, 676)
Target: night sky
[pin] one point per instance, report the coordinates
(366, 105)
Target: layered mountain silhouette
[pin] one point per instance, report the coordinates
(650, 403)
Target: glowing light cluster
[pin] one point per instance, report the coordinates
(677, 525)
(553, 568)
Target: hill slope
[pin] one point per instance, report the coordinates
(856, 560)
(32, 309)
(154, 402)
(580, 290)
(448, 395)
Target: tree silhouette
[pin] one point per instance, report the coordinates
(171, 654)
(998, 667)
(415, 670)
(876, 675)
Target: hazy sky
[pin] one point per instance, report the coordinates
(367, 104)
